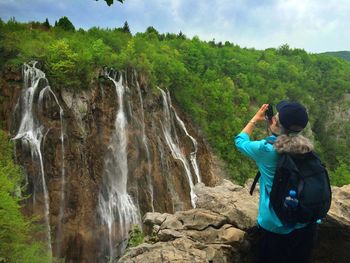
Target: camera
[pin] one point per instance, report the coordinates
(269, 113)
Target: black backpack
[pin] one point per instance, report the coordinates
(305, 174)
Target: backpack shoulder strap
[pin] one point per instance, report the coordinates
(256, 179)
(258, 174)
(270, 141)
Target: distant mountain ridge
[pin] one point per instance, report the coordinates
(340, 54)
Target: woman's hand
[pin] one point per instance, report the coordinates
(260, 115)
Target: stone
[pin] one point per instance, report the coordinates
(333, 244)
(340, 208)
(168, 234)
(227, 234)
(230, 200)
(155, 218)
(199, 219)
(196, 235)
(212, 228)
(180, 250)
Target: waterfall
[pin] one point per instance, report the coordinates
(63, 170)
(116, 207)
(145, 142)
(195, 146)
(174, 147)
(31, 131)
(177, 204)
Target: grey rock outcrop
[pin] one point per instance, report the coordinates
(179, 250)
(340, 208)
(212, 232)
(333, 244)
(232, 201)
(221, 229)
(196, 235)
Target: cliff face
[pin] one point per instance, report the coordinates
(97, 160)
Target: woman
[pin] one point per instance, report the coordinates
(278, 243)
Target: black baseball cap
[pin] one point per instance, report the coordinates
(292, 115)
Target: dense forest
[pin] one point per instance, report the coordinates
(340, 54)
(219, 84)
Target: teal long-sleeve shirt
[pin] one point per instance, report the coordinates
(266, 158)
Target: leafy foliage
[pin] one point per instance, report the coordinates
(65, 24)
(341, 174)
(219, 84)
(136, 237)
(15, 230)
(62, 63)
(110, 2)
(126, 28)
(340, 54)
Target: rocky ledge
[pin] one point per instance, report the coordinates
(222, 229)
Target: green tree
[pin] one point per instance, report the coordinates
(101, 53)
(126, 28)
(46, 23)
(341, 175)
(181, 35)
(152, 30)
(62, 63)
(16, 244)
(65, 24)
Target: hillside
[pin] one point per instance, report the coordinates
(340, 54)
(219, 84)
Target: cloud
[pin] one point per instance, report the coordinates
(311, 24)
(305, 24)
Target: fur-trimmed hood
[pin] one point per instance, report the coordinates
(296, 144)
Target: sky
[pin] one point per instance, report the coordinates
(313, 25)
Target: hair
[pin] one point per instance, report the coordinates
(291, 142)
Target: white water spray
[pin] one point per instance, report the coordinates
(31, 131)
(193, 155)
(145, 142)
(116, 207)
(175, 148)
(63, 170)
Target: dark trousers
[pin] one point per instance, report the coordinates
(295, 247)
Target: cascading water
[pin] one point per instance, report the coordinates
(145, 142)
(116, 207)
(195, 146)
(177, 204)
(31, 131)
(175, 148)
(58, 240)
(172, 125)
